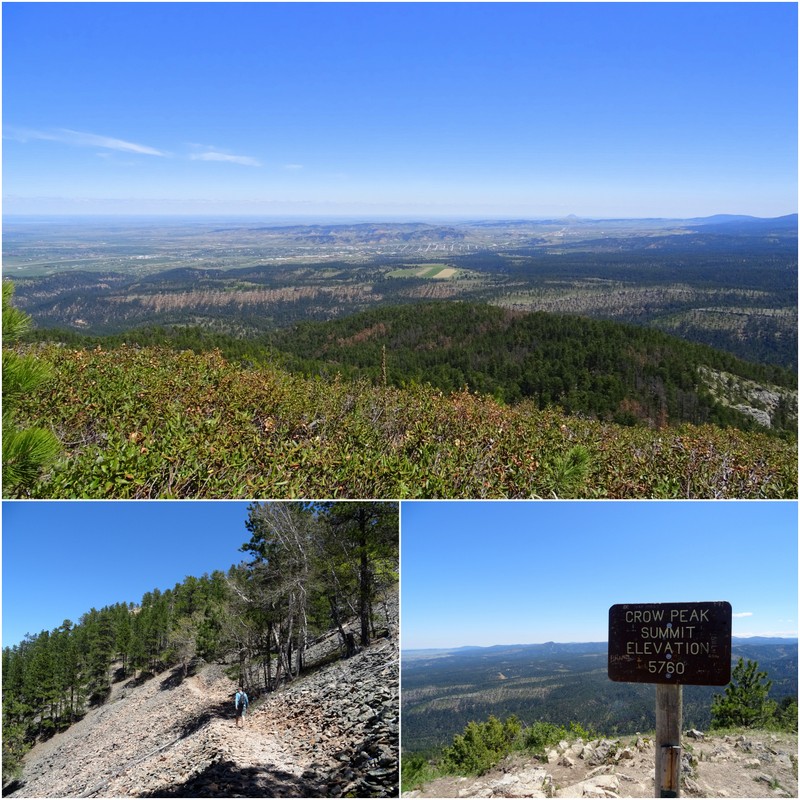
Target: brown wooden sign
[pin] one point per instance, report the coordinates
(677, 643)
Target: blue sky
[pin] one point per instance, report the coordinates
(485, 573)
(61, 559)
(473, 572)
(400, 109)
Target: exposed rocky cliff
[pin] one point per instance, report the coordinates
(761, 402)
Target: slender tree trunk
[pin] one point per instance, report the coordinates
(269, 658)
(364, 581)
(338, 622)
(242, 665)
(289, 635)
(301, 650)
(281, 659)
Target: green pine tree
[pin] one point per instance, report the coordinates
(25, 451)
(746, 702)
(786, 715)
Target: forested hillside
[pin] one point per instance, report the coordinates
(554, 683)
(612, 371)
(313, 569)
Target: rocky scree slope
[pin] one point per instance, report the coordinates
(331, 733)
(750, 764)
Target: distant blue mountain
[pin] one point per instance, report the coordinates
(730, 223)
(554, 648)
(763, 640)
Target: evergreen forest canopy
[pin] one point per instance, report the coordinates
(607, 370)
(624, 373)
(314, 568)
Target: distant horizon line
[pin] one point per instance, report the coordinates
(551, 641)
(377, 217)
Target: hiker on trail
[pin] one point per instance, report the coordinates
(241, 702)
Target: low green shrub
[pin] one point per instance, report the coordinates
(154, 422)
(481, 746)
(416, 770)
(540, 736)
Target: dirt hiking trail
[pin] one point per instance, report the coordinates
(331, 733)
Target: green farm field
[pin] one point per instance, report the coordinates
(439, 271)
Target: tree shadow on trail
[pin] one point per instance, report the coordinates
(9, 788)
(174, 679)
(179, 674)
(135, 681)
(226, 779)
(221, 710)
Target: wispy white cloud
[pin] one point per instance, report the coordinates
(109, 143)
(743, 614)
(26, 134)
(81, 139)
(293, 166)
(215, 155)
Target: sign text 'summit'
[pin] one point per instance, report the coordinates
(679, 643)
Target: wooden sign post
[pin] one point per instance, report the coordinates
(670, 644)
(669, 716)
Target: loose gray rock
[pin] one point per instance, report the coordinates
(332, 732)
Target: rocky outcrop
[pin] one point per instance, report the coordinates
(761, 416)
(754, 765)
(755, 400)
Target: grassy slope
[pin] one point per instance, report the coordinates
(150, 422)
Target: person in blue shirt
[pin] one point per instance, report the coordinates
(241, 702)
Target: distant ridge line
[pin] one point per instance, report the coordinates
(466, 648)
